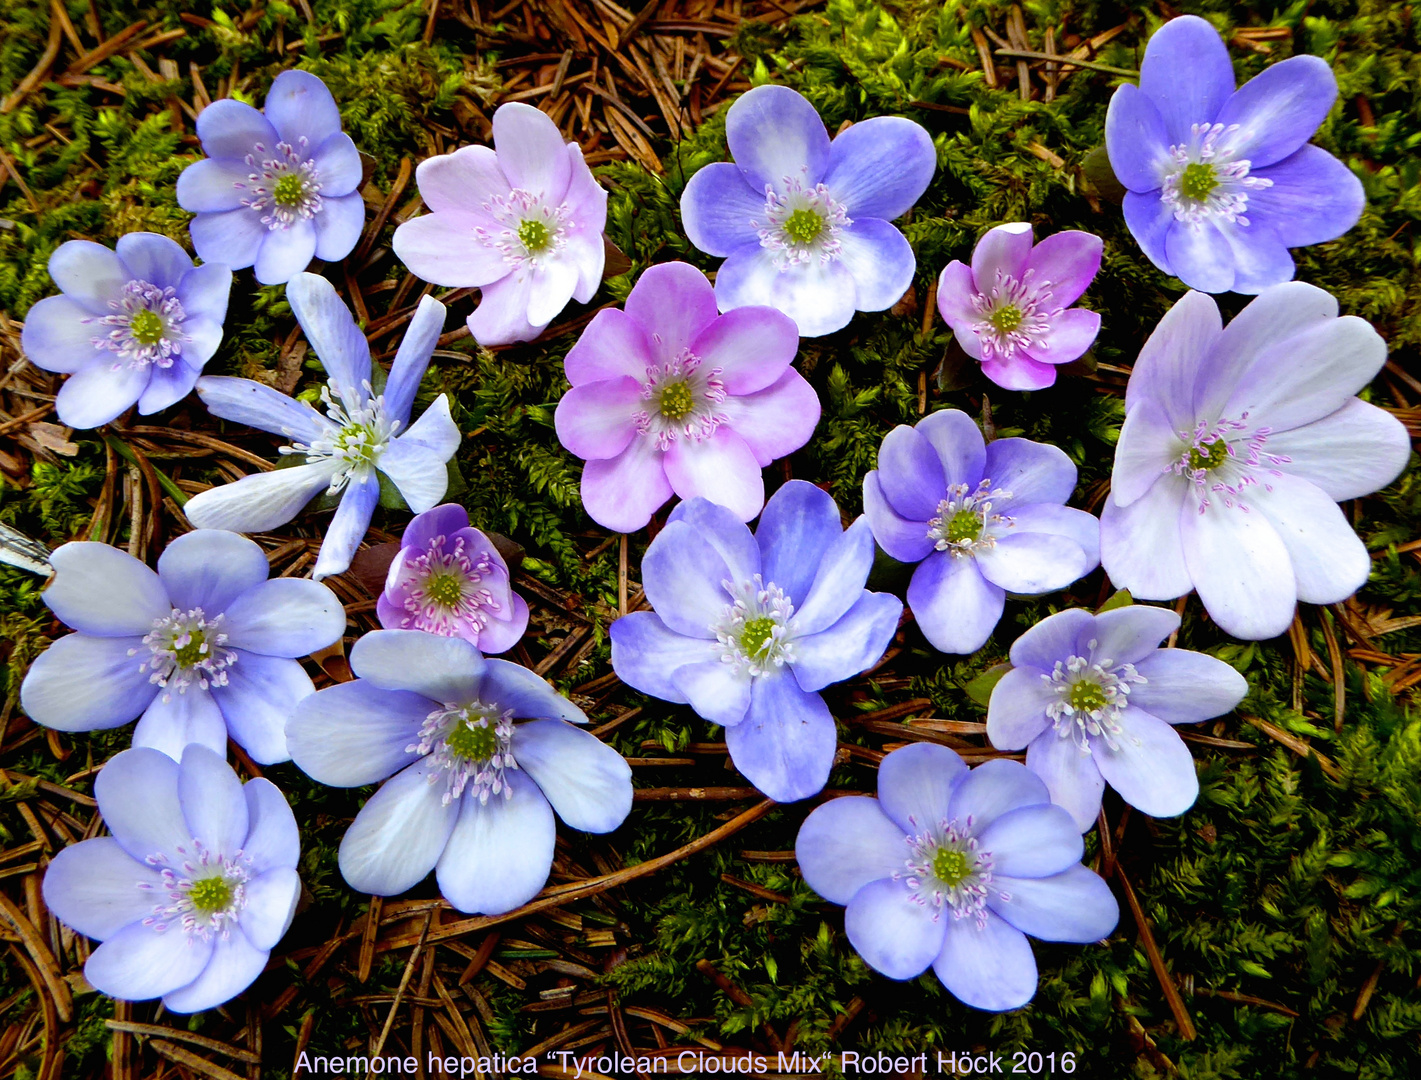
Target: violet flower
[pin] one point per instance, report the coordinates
(1237, 445)
(1011, 309)
(362, 435)
(449, 579)
(981, 520)
(953, 869)
(194, 888)
(1091, 698)
(278, 187)
(1222, 181)
(669, 397)
(803, 221)
(202, 650)
(134, 325)
(471, 794)
(521, 221)
(748, 629)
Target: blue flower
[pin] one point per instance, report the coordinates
(279, 187)
(471, 793)
(134, 325)
(194, 888)
(748, 629)
(981, 520)
(1091, 698)
(803, 221)
(952, 869)
(1222, 181)
(203, 649)
(362, 434)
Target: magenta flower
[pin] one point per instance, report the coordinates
(448, 579)
(669, 397)
(1011, 309)
(522, 221)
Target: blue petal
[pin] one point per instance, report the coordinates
(852, 644)
(232, 129)
(1149, 219)
(284, 253)
(1127, 635)
(137, 793)
(774, 133)
(500, 852)
(1141, 546)
(1169, 366)
(260, 696)
(58, 338)
(1260, 257)
(89, 273)
(174, 721)
(233, 237)
(246, 401)
(100, 590)
(338, 226)
(719, 209)
(683, 575)
(210, 568)
(1277, 110)
(878, 168)
(959, 445)
(98, 393)
(1075, 905)
(167, 386)
(96, 888)
(1016, 713)
(1152, 770)
(1056, 637)
(1314, 198)
(1069, 774)
(988, 967)
(880, 260)
(1080, 528)
(153, 258)
(139, 963)
(1354, 451)
(211, 796)
(915, 783)
(273, 840)
(995, 788)
(723, 531)
(332, 333)
(205, 291)
(1136, 140)
(904, 540)
(719, 692)
(1187, 74)
(838, 581)
(645, 654)
(1201, 256)
(587, 782)
(412, 358)
(910, 474)
(785, 745)
(417, 471)
(799, 524)
(819, 296)
(1241, 569)
(355, 733)
(1186, 687)
(400, 833)
(338, 163)
(1033, 472)
(83, 683)
(348, 526)
(213, 185)
(847, 843)
(259, 501)
(954, 605)
(234, 965)
(444, 669)
(530, 696)
(435, 429)
(284, 617)
(892, 931)
(271, 902)
(300, 106)
(1032, 842)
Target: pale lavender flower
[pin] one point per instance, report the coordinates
(521, 221)
(748, 630)
(1011, 309)
(362, 435)
(194, 888)
(952, 869)
(803, 221)
(279, 187)
(1092, 699)
(1237, 446)
(980, 519)
(134, 325)
(479, 754)
(449, 579)
(1222, 181)
(669, 397)
(203, 650)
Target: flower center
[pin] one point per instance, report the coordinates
(754, 631)
(284, 188)
(532, 234)
(1224, 459)
(1208, 456)
(1089, 698)
(801, 224)
(186, 648)
(445, 592)
(205, 891)
(945, 870)
(686, 399)
(354, 439)
(1014, 315)
(472, 746)
(965, 523)
(145, 327)
(1204, 182)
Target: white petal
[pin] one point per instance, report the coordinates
(587, 782)
(400, 833)
(103, 591)
(500, 852)
(139, 963)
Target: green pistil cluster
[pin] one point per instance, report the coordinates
(473, 742)
(676, 401)
(357, 442)
(534, 235)
(755, 639)
(803, 226)
(1198, 181)
(445, 590)
(146, 327)
(194, 652)
(1086, 697)
(950, 866)
(1006, 319)
(1212, 456)
(288, 190)
(965, 525)
(211, 895)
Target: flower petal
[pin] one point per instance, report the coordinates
(910, 474)
(417, 471)
(959, 445)
(530, 151)
(852, 644)
(299, 105)
(338, 162)
(1147, 449)
(1020, 372)
(1136, 140)
(83, 683)
(446, 247)
(285, 253)
(349, 524)
(97, 888)
(100, 590)
(551, 288)
(400, 833)
(879, 167)
(1186, 73)
(1003, 250)
(1075, 905)
(778, 420)
(500, 852)
(1152, 770)
(904, 540)
(993, 789)
(1241, 569)
(799, 525)
(1277, 110)
(725, 532)
(1314, 198)
(1149, 219)
(284, 617)
(58, 336)
(232, 237)
(674, 303)
(246, 401)
(774, 133)
(1069, 261)
(273, 840)
(1079, 527)
(955, 290)
(820, 297)
(1033, 472)
(1170, 364)
(355, 733)
(502, 314)
(231, 129)
(894, 933)
(89, 273)
(1184, 687)
(260, 695)
(682, 575)
(845, 844)
(412, 360)
(137, 793)
(1354, 451)
(213, 185)
(1127, 635)
(622, 493)
(435, 429)
(1071, 334)
(785, 745)
(954, 605)
(211, 796)
(988, 967)
(1201, 256)
(174, 721)
(339, 225)
(587, 782)
(234, 965)
(613, 345)
(530, 696)
(1259, 257)
(1329, 561)
(1031, 563)
(719, 209)
(838, 580)
(595, 420)
(646, 653)
(1142, 545)
(1056, 637)
(260, 501)
(752, 346)
(1016, 712)
(721, 468)
(1033, 842)
(717, 691)
(915, 784)
(462, 180)
(97, 394)
(1071, 776)
(331, 331)
(210, 568)
(139, 963)
(442, 669)
(880, 259)
(271, 902)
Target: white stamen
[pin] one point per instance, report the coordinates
(472, 745)
(1228, 180)
(157, 338)
(801, 224)
(965, 524)
(359, 435)
(186, 648)
(206, 891)
(754, 631)
(1090, 696)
